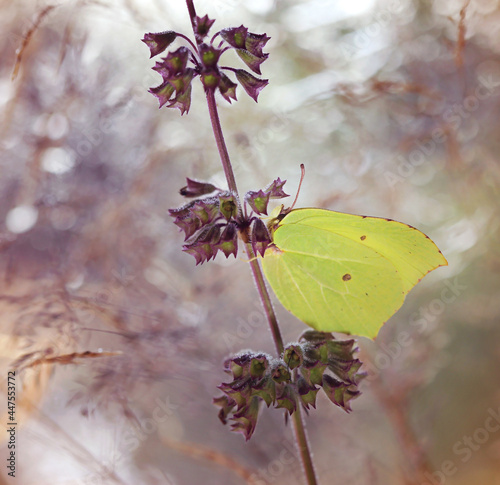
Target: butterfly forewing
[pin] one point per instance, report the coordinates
(346, 273)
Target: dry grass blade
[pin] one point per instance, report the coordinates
(27, 37)
(462, 29)
(209, 454)
(61, 359)
(98, 472)
(35, 386)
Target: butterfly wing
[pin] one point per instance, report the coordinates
(346, 273)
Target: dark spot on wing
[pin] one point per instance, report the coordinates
(362, 238)
(346, 277)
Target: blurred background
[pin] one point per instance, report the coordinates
(393, 106)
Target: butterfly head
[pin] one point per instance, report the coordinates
(276, 216)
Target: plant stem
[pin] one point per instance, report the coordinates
(299, 429)
(214, 118)
(254, 264)
(303, 446)
(187, 39)
(300, 432)
(192, 13)
(265, 299)
(221, 144)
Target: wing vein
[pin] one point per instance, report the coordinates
(285, 265)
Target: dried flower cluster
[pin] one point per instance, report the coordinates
(212, 223)
(181, 66)
(292, 380)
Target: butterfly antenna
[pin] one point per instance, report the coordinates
(303, 174)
